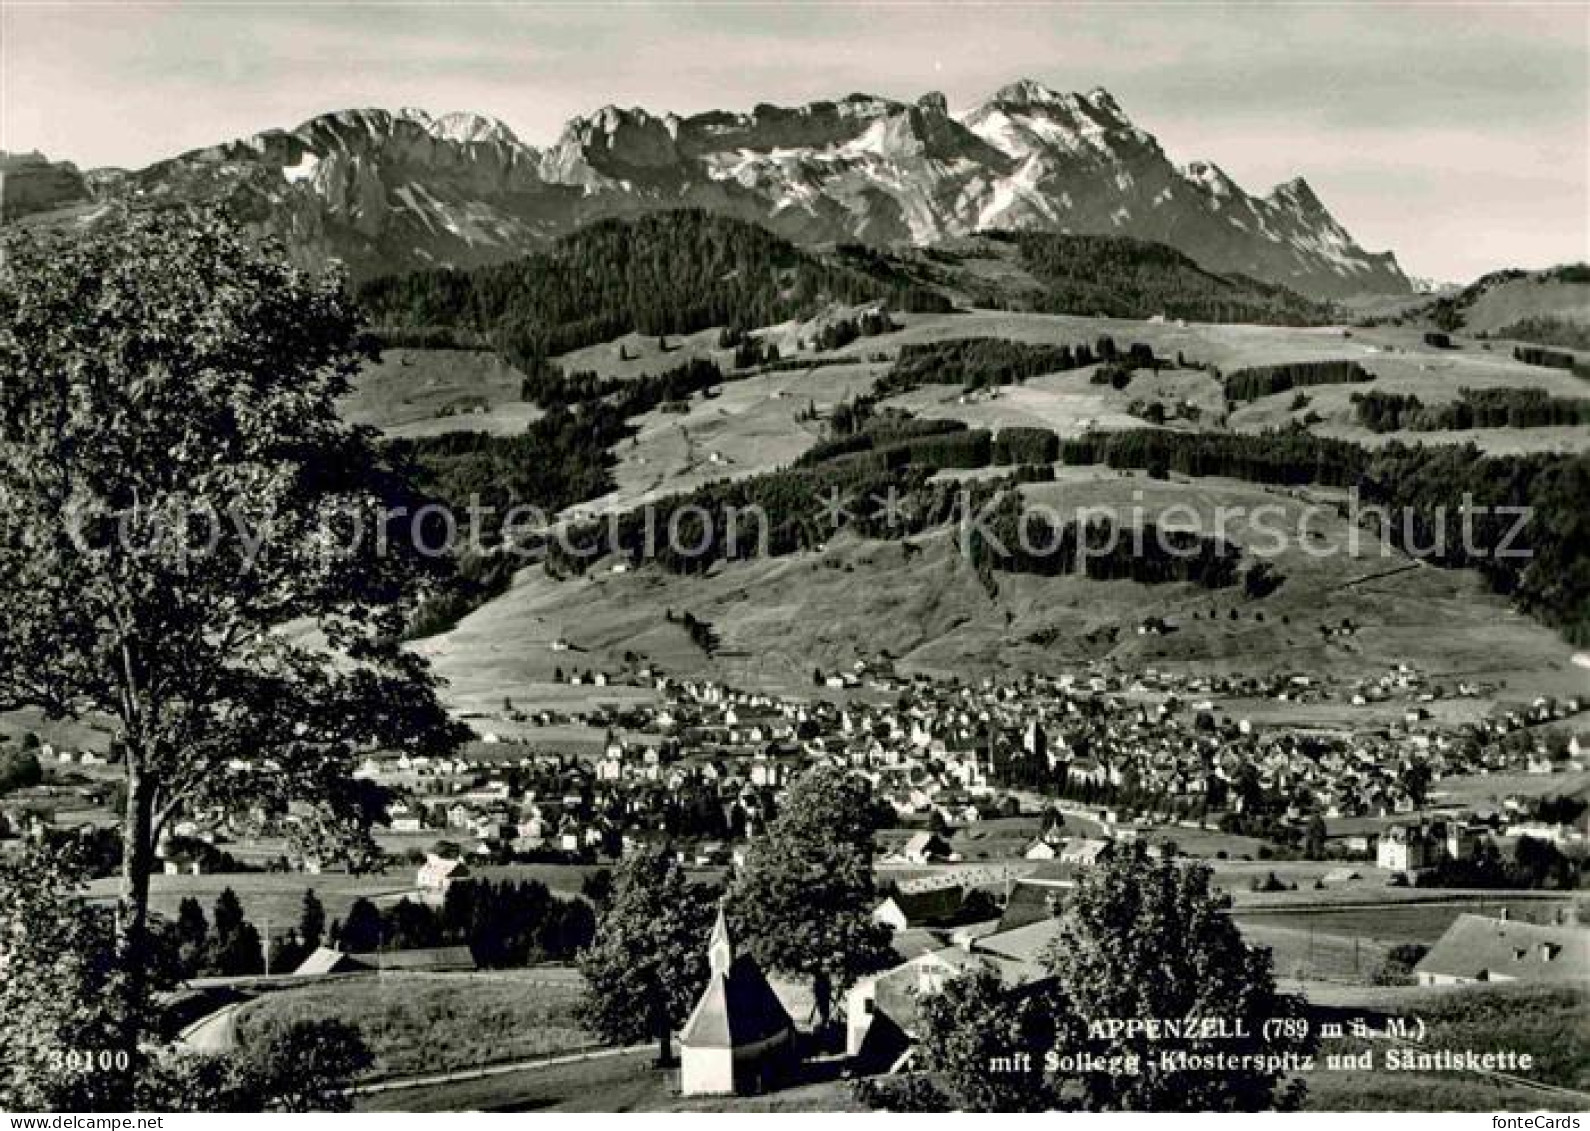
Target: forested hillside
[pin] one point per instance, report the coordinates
(1518, 520)
(1127, 278)
(681, 271)
(663, 273)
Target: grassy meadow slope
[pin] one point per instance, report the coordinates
(755, 424)
(778, 619)
(1509, 303)
(417, 1023)
(425, 392)
(923, 605)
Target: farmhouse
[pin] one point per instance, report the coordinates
(1477, 948)
(739, 1038)
(437, 874)
(881, 1010)
(929, 908)
(925, 848)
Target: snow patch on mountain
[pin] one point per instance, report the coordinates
(302, 170)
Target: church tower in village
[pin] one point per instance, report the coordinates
(720, 951)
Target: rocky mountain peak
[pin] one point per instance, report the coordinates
(1026, 92)
(390, 191)
(1211, 177)
(1103, 100)
(1297, 195)
(470, 129)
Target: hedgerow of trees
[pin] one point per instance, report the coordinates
(1474, 408)
(1266, 380)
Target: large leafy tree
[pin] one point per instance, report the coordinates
(1140, 939)
(1149, 938)
(647, 965)
(804, 899)
(984, 1044)
(193, 544)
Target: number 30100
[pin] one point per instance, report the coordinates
(88, 1060)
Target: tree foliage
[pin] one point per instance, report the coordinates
(1140, 939)
(19, 769)
(647, 965)
(985, 1044)
(804, 898)
(58, 988)
(1267, 380)
(64, 1017)
(1474, 408)
(1147, 938)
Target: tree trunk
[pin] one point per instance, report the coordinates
(665, 1032)
(132, 907)
(823, 999)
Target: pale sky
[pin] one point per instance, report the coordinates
(1456, 135)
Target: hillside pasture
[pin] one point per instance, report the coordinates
(1392, 921)
(1068, 403)
(1473, 789)
(91, 733)
(1435, 376)
(776, 620)
(411, 393)
(1504, 304)
(922, 603)
(1229, 346)
(275, 898)
(417, 1023)
(749, 426)
(638, 355)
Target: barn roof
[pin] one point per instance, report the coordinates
(1482, 948)
(325, 960)
(419, 958)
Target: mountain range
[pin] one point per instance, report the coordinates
(390, 191)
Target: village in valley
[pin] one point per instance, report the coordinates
(1365, 856)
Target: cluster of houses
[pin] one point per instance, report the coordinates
(706, 764)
